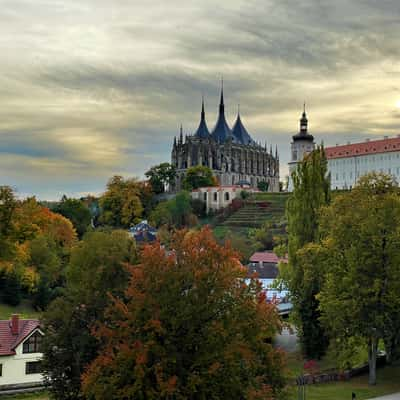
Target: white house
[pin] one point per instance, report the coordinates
(217, 197)
(20, 353)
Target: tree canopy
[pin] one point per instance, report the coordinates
(97, 269)
(160, 176)
(361, 253)
(198, 176)
(188, 327)
(121, 205)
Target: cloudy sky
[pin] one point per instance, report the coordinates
(93, 88)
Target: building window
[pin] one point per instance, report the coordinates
(215, 196)
(33, 367)
(1, 369)
(33, 344)
(227, 196)
(205, 196)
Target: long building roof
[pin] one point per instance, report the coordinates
(364, 148)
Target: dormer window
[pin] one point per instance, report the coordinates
(33, 344)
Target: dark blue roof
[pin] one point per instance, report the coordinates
(240, 133)
(202, 130)
(221, 131)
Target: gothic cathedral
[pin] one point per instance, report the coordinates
(234, 157)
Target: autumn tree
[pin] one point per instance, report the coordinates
(198, 176)
(360, 296)
(161, 176)
(188, 327)
(8, 203)
(120, 204)
(311, 191)
(97, 269)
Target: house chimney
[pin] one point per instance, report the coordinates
(15, 324)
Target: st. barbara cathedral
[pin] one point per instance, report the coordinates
(234, 157)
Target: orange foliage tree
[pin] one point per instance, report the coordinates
(188, 327)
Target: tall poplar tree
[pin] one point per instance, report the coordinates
(311, 183)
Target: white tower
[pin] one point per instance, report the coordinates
(302, 144)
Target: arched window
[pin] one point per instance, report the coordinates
(227, 196)
(215, 196)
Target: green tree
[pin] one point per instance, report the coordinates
(121, 205)
(77, 212)
(311, 191)
(176, 212)
(98, 268)
(189, 327)
(160, 176)
(8, 204)
(198, 176)
(360, 296)
(263, 186)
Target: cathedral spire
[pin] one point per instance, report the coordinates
(276, 152)
(221, 131)
(202, 130)
(181, 134)
(221, 102)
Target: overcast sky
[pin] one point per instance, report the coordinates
(93, 88)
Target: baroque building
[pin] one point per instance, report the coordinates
(233, 156)
(347, 163)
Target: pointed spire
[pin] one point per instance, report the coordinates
(270, 149)
(276, 151)
(174, 141)
(202, 130)
(221, 102)
(181, 135)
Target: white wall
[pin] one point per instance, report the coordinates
(299, 148)
(346, 171)
(14, 368)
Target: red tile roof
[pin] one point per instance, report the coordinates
(8, 341)
(360, 149)
(266, 256)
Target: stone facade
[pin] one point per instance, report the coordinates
(233, 156)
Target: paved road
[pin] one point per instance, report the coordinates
(395, 396)
(287, 340)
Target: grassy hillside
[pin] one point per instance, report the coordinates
(24, 309)
(259, 208)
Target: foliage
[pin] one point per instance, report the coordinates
(263, 186)
(361, 242)
(176, 212)
(198, 176)
(120, 204)
(97, 269)
(199, 207)
(311, 191)
(33, 248)
(189, 327)
(161, 176)
(76, 211)
(244, 194)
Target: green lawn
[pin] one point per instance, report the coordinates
(388, 382)
(24, 309)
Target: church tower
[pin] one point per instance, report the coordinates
(302, 144)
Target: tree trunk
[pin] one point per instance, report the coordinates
(372, 353)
